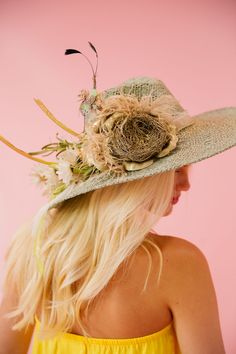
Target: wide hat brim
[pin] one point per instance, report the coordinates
(211, 133)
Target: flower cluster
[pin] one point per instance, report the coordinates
(129, 134)
(121, 134)
(70, 168)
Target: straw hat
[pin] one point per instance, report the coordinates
(131, 131)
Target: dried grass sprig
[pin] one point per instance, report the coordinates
(54, 119)
(25, 154)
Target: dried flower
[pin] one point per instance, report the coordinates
(70, 154)
(64, 171)
(127, 136)
(45, 177)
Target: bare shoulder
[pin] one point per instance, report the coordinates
(172, 241)
(190, 295)
(174, 247)
(183, 261)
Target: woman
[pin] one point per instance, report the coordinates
(99, 280)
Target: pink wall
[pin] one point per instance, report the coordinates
(188, 44)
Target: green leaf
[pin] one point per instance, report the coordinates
(58, 190)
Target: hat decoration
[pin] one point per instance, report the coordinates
(122, 133)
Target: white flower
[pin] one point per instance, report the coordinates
(45, 176)
(64, 171)
(70, 155)
(38, 174)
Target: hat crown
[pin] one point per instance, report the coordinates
(140, 86)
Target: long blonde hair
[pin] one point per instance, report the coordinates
(86, 239)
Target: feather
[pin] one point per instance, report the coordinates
(72, 51)
(92, 46)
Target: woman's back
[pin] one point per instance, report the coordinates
(122, 310)
(141, 321)
(183, 306)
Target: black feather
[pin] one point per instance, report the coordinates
(71, 51)
(92, 46)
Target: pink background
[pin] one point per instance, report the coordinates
(190, 45)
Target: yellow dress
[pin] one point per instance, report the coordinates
(161, 342)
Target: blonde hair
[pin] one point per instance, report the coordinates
(85, 241)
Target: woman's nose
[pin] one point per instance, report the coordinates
(184, 184)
